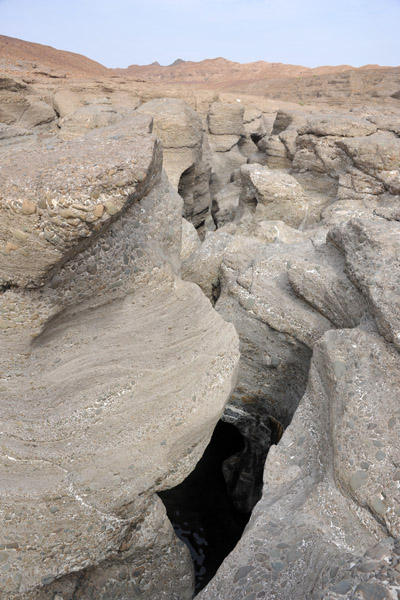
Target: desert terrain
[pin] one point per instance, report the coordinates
(199, 329)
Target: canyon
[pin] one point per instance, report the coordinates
(199, 313)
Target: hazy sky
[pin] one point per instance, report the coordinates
(122, 32)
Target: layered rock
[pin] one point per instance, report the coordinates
(114, 371)
(186, 153)
(226, 130)
(338, 156)
(313, 534)
(329, 492)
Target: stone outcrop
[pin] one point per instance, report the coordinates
(304, 517)
(271, 196)
(337, 156)
(186, 153)
(114, 371)
(316, 312)
(24, 110)
(72, 193)
(225, 132)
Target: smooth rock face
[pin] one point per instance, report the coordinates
(225, 204)
(226, 119)
(65, 102)
(26, 111)
(372, 253)
(113, 373)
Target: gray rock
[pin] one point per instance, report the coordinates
(86, 118)
(58, 208)
(274, 195)
(100, 374)
(226, 119)
(329, 291)
(186, 153)
(338, 125)
(225, 204)
(66, 102)
(372, 254)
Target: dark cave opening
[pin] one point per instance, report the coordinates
(201, 510)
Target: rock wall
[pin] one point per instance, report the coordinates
(316, 311)
(113, 371)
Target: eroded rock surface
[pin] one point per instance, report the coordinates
(186, 153)
(113, 371)
(316, 311)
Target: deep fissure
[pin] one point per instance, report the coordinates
(211, 507)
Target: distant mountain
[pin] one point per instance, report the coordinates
(176, 62)
(330, 84)
(223, 72)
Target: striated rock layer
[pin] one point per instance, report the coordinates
(113, 371)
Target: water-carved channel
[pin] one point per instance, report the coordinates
(201, 508)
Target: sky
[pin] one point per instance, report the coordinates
(118, 33)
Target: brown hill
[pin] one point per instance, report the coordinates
(21, 55)
(222, 72)
(342, 84)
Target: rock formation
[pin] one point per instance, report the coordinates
(147, 234)
(98, 331)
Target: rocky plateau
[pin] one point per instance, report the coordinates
(181, 246)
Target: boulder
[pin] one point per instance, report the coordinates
(25, 111)
(58, 196)
(93, 116)
(65, 102)
(371, 249)
(337, 125)
(272, 195)
(377, 155)
(225, 204)
(226, 119)
(190, 240)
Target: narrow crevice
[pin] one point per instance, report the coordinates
(243, 471)
(201, 510)
(210, 509)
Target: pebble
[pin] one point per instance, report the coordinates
(242, 572)
(342, 588)
(111, 208)
(28, 207)
(378, 506)
(11, 246)
(339, 368)
(372, 591)
(358, 479)
(98, 211)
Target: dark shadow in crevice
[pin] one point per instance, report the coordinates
(201, 511)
